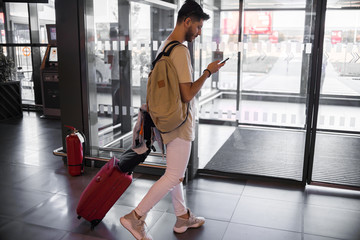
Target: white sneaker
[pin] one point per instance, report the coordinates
(137, 227)
(182, 224)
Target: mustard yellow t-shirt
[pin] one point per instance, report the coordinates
(180, 57)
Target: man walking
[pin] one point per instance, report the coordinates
(178, 142)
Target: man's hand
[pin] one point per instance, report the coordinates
(189, 90)
(215, 66)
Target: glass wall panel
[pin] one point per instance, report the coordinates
(336, 157)
(15, 29)
(206, 53)
(18, 23)
(272, 52)
(272, 67)
(229, 5)
(23, 64)
(127, 36)
(2, 28)
(140, 36)
(46, 15)
(282, 4)
(340, 72)
(106, 66)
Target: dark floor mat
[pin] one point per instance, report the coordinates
(280, 153)
(261, 152)
(337, 159)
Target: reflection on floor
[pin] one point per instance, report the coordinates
(39, 199)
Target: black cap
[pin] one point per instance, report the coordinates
(191, 9)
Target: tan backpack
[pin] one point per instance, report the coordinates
(163, 98)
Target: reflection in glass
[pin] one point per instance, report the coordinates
(46, 15)
(141, 51)
(206, 52)
(18, 22)
(2, 28)
(18, 32)
(23, 64)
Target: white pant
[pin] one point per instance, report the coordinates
(177, 158)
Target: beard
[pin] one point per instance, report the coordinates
(189, 35)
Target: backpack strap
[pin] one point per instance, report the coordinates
(170, 43)
(168, 52)
(164, 52)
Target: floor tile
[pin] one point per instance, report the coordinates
(77, 236)
(269, 213)
(163, 230)
(47, 180)
(110, 227)
(219, 185)
(44, 159)
(246, 232)
(137, 190)
(211, 205)
(4, 220)
(275, 191)
(77, 184)
(57, 212)
(332, 222)
(19, 201)
(39, 143)
(19, 231)
(12, 173)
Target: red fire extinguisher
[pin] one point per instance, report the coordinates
(75, 151)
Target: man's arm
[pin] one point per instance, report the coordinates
(189, 90)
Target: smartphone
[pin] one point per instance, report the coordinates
(223, 60)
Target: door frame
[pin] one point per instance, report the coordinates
(314, 90)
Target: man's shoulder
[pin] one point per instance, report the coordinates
(182, 46)
(180, 50)
(167, 42)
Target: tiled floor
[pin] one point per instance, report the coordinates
(39, 198)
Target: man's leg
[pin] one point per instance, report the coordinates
(177, 158)
(177, 154)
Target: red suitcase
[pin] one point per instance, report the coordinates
(102, 192)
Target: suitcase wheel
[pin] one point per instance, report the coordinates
(79, 217)
(94, 223)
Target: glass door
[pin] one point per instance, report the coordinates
(336, 156)
(256, 117)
